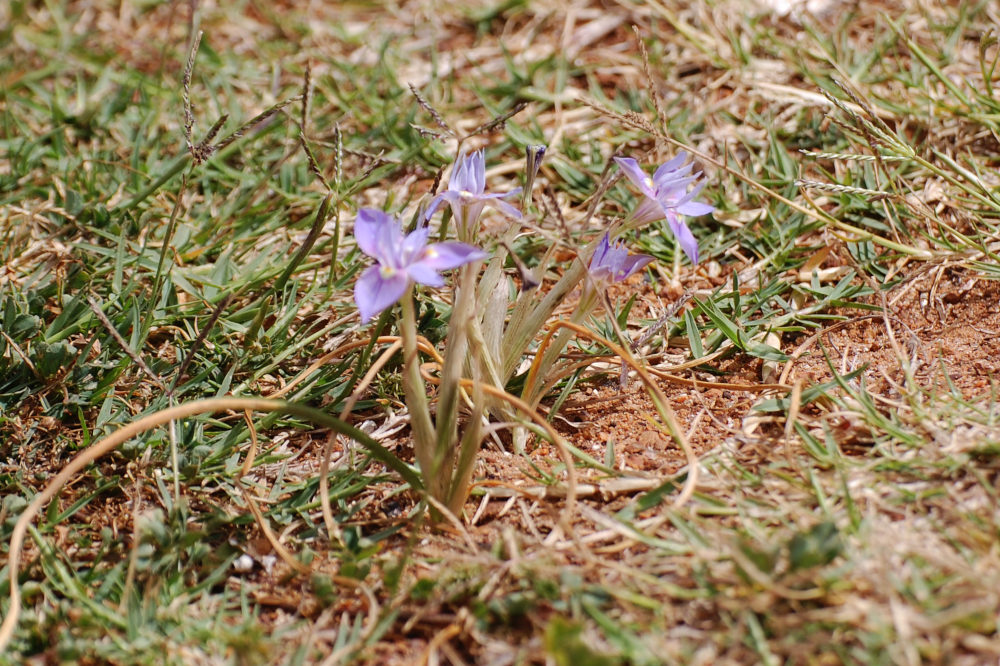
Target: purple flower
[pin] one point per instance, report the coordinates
(667, 196)
(613, 263)
(402, 259)
(467, 194)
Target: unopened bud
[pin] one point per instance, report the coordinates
(533, 161)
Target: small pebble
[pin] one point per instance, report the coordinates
(650, 439)
(243, 564)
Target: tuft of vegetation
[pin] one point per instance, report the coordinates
(784, 453)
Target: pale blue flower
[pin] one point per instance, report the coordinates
(612, 262)
(667, 196)
(402, 259)
(467, 194)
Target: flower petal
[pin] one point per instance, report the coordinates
(615, 260)
(671, 164)
(457, 179)
(638, 177)
(695, 208)
(633, 264)
(432, 207)
(497, 202)
(686, 205)
(664, 175)
(424, 274)
(444, 256)
(684, 236)
(373, 292)
(675, 191)
(412, 247)
(370, 231)
(600, 252)
(477, 172)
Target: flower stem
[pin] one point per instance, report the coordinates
(416, 395)
(535, 382)
(517, 339)
(451, 373)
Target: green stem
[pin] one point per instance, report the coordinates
(455, 364)
(519, 336)
(588, 301)
(416, 395)
(469, 447)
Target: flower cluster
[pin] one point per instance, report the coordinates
(404, 259)
(485, 343)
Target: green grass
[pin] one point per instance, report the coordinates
(845, 522)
